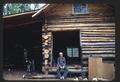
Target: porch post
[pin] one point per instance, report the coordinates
(46, 49)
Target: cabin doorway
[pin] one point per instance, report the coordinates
(67, 42)
(20, 38)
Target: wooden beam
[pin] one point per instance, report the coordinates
(98, 35)
(104, 56)
(7, 26)
(9, 16)
(98, 46)
(96, 40)
(82, 25)
(102, 52)
(77, 17)
(58, 19)
(97, 32)
(45, 6)
(78, 28)
(98, 43)
(82, 20)
(98, 49)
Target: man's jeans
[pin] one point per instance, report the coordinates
(28, 68)
(64, 72)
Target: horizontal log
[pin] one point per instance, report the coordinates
(98, 52)
(99, 55)
(97, 38)
(97, 49)
(98, 32)
(84, 29)
(62, 29)
(97, 35)
(98, 46)
(89, 27)
(100, 11)
(103, 30)
(82, 24)
(80, 21)
(83, 40)
(78, 16)
(98, 43)
(103, 13)
(79, 28)
(96, 28)
(92, 31)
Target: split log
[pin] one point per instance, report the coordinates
(98, 46)
(102, 52)
(98, 55)
(95, 49)
(97, 32)
(97, 43)
(98, 38)
(82, 25)
(97, 35)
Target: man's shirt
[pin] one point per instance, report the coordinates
(61, 61)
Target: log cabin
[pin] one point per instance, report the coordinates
(77, 30)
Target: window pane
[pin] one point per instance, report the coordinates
(77, 8)
(69, 52)
(80, 8)
(75, 52)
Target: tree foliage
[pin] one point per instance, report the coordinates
(14, 8)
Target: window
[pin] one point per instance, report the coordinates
(80, 9)
(72, 52)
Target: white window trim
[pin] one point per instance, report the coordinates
(79, 13)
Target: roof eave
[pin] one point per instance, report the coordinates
(10, 16)
(39, 11)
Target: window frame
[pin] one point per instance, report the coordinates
(79, 12)
(72, 56)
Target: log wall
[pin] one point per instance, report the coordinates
(97, 28)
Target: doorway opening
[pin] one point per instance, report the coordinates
(67, 42)
(20, 38)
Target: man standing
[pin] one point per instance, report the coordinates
(33, 65)
(28, 62)
(61, 67)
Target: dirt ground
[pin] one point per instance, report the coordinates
(20, 75)
(14, 75)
